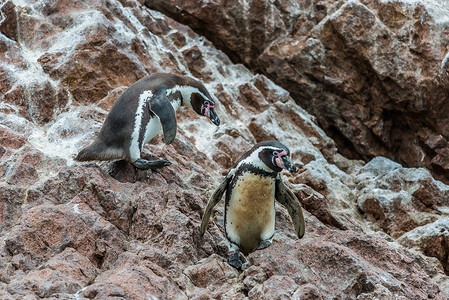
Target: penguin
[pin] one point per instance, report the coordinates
(251, 188)
(141, 112)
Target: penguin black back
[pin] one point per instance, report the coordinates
(143, 110)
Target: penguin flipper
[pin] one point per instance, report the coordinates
(161, 107)
(213, 201)
(284, 196)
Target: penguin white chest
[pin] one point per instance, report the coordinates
(150, 130)
(250, 212)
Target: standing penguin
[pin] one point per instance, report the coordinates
(140, 113)
(251, 188)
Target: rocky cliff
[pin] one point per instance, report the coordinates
(344, 84)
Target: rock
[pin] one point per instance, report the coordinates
(46, 230)
(241, 38)
(431, 239)
(22, 173)
(4, 294)
(132, 279)
(308, 291)
(436, 141)
(399, 200)
(365, 69)
(253, 98)
(11, 200)
(317, 205)
(82, 79)
(8, 26)
(212, 276)
(106, 230)
(11, 139)
(360, 259)
(276, 287)
(254, 275)
(196, 63)
(63, 275)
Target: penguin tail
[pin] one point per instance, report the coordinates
(98, 151)
(88, 153)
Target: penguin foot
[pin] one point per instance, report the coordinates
(151, 164)
(237, 260)
(263, 244)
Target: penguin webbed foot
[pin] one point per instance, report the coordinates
(237, 260)
(151, 164)
(263, 244)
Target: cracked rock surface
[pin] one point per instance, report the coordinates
(375, 229)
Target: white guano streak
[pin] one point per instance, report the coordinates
(134, 147)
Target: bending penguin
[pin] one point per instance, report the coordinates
(140, 113)
(251, 188)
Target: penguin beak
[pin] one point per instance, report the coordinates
(214, 117)
(288, 164)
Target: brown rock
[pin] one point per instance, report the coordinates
(308, 292)
(390, 90)
(257, 127)
(83, 76)
(6, 86)
(107, 102)
(195, 62)
(430, 195)
(178, 39)
(71, 230)
(432, 239)
(41, 103)
(241, 38)
(213, 272)
(252, 98)
(317, 205)
(16, 96)
(272, 94)
(46, 230)
(358, 258)
(63, 275)
(22, 174)
(8, 26)
(399, 201)
(436, 141)
(11, 198)
(10, 139)
(132, 279)
(373, 207)
(254, 275)
(276, 287)
(86, 186)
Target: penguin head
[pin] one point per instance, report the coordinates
(273, 155)
(203, 104)
(196, 96)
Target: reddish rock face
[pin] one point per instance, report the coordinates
(8, 26)
(399, 200)
(373, 72)
(67, 272)
(133, 279)
(106, 230)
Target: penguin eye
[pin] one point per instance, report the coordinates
(275, 153)
(206, 103)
